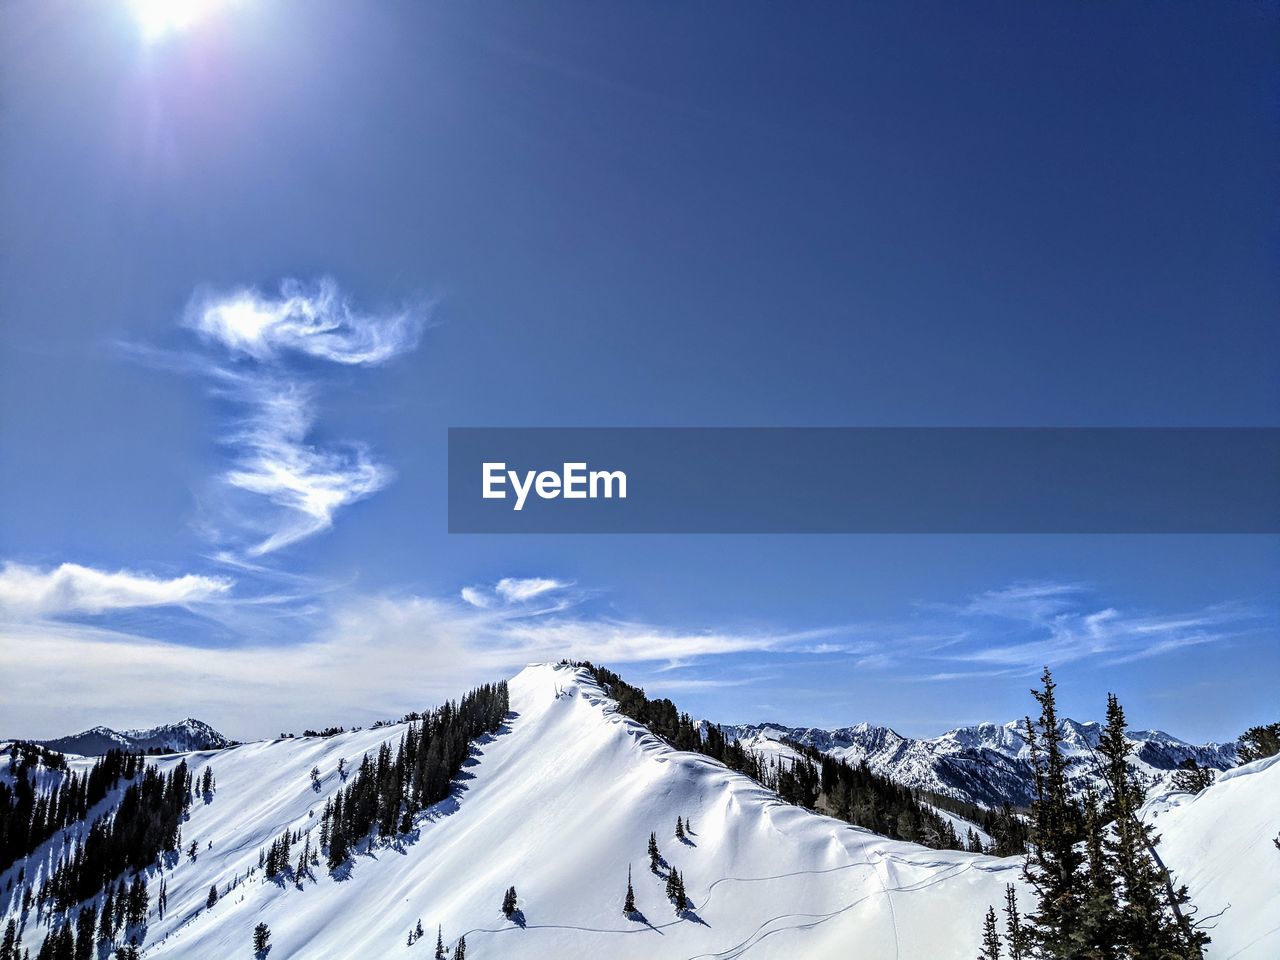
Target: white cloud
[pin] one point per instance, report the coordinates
(373, 657)
(316, 320)
(512, 591)
(515, 590)
(475, 596)
(70, 588)
(1066, 629)
(274, 456)
(1033, 602)
(274, 460)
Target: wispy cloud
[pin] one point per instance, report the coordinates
(260, 359)
(272, 459)
(341, 657)
(511, 590)
(317, 320)
(1030, 625)
(70, 588)
(386, 654)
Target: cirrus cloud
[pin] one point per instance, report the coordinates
(281, 485)
(316, 319)
(70, 588)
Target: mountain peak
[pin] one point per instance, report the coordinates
(184, 736)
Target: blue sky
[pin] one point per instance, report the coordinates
(253, 267)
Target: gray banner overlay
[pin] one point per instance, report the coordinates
(865, 480)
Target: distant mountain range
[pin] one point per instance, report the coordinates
(181, 737)
(985, 764)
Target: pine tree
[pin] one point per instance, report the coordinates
(460, 951)
(654, 857)
(1099, 909)
(1015, 931)
(106, 919)
(136, 910)
(86, 923)
(990, 937)
(440, 943)
(628, 905)
(1191, 777)
(679, 828)
(681, 901)
(9, 945)
(212, 898)
(509, 903)
(1054, 866)
(1152, 924)
(1259, 742)
(261, 938)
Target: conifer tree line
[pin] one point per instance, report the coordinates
(387, 792)
(29, 816)
(93, 932)
(146, 823)
(275, 859)
(1006, 825)
(1102, 891)
(817, 782)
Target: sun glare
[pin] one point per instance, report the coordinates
(160, 18)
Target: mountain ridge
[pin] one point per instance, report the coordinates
(184, 736)
(984, 763)
(559, 803)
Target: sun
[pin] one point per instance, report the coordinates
(160, 18)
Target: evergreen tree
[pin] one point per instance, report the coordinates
(136, 909)
(1151, 922)
(654, 857)
(460, 951)
(86, 925)
(440, 955)
(1055, 865)
(106, 920)
(261, 938)
(1099, 910)
(628, 905)
(210, 900)
(509, 903)
(1015, 931)
(1259, 742)
(9, 945)
(680, 900)
(1191, 777)
(679, 828)
(990, 937)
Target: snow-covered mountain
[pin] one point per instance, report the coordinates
(987, 763)
(181, 737)
(560, 803)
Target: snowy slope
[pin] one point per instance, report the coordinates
(986, 763)
(558, 804)
(1219, 842)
